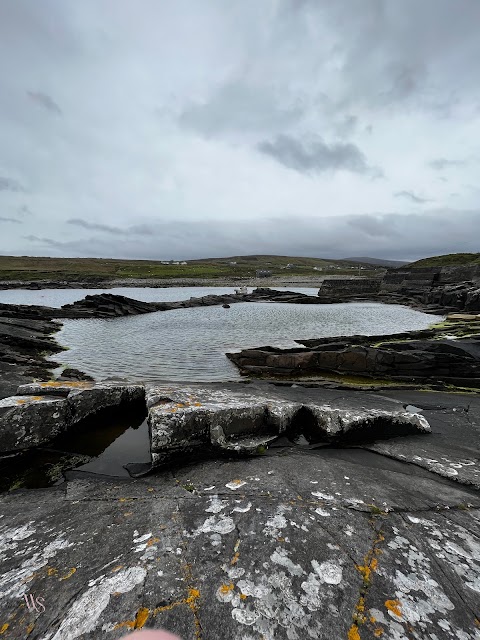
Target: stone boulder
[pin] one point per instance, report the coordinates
(194, 420)
(42, 411)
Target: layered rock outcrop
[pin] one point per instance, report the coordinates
(197, 420)
(430, 358)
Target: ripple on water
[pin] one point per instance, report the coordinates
(190, 344)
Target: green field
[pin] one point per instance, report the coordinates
(449, 260)
(26, 268)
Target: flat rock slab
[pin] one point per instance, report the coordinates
(184, 420)
(298, 543)
(41, 411)
(279, 547)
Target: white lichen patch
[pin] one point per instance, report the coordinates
(216, 505)
(322, 512)
(15, 583)
(280, 557)
(11, 537)
(84, 614)
(276, 523)
(242, 509)
(419, 600)
(328, 572)
(235, 484)
(220, 524)
(323, 496)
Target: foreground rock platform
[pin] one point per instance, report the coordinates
(381, 540)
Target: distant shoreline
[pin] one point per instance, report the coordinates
(275, 281)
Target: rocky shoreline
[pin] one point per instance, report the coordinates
(26, 336)
(277, 510)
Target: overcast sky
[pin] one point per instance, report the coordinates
(181, 129)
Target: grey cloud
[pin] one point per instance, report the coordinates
(373, 226)
(411, 196)
(24, 211)
(48, 242)
(8, 184)
(315, 156)
(393, 235)
(10, 220)
(442, 163)
(45, 101)
(95, 226)
(240, 107)
(137, 229)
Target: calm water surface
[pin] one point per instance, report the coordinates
(190, 344)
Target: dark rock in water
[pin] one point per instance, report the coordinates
(74, 374)
(41, 411)
(108, 305)
(423, 356)
(226, 306)
(24, 343)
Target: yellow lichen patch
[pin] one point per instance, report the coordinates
(117, 568)
(243, 596)
(235, 558)
(150, 489)
(141, 618)
(51, 571)
(127, 513)
(30, 628)
(237, 481)
(361, 605)
(353, 633)
(378, 632)
(74, 385)
(226, 588)
(394, 607)
(152, 541)
(366, 570)
(3, 628)
(21, 401)
(37, 397)
(190, 601)
(193, 594)
(197, 404)
(69, 574)
(128, 623)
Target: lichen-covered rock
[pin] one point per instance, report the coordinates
(43, 410)
(194, 419)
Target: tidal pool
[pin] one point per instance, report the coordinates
(190, 344)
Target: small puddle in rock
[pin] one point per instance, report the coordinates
(100, 445)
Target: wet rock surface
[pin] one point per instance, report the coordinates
(299, 542)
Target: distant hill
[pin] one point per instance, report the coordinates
(26, 268)
(378, 261)
(448, 260)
